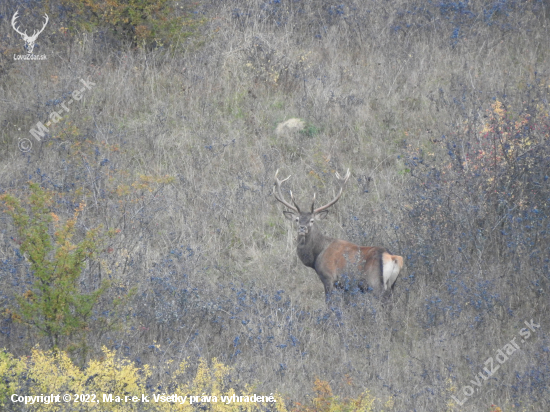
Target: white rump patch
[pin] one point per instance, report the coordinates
(391, 265)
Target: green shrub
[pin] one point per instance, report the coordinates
(144, 23)
(53, 304)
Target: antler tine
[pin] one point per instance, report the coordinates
(36, 33)
(294, 201)
(45, 23)
(279, 196)
(342, 181)
(345, 178)
(281, 181)
(13, 22)
(313, 203)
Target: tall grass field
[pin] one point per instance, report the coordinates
(145, 264)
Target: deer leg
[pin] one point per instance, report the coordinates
(328, 291)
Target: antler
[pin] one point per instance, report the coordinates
(35, 34)
(342, 181)
(14, 18)
(24, 34)
(280, 196)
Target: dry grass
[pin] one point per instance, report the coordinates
(374, 83)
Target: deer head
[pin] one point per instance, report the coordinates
(29, 40)
(306, 219)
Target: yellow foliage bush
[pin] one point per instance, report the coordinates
(116, 385)
(325, 401)
(157, 23)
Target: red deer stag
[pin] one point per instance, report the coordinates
(334, 258)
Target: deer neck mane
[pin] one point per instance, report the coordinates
(311, 246)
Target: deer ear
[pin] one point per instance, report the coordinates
(289, 215)
(321, 215)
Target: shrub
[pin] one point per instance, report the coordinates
(325, 401)
(480, 188)
(143, 23)
(52, 372)
(53, 304)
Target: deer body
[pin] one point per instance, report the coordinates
(334, 259)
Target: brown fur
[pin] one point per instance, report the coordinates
(333, 259)
(360, 263)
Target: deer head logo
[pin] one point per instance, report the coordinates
(29, 40)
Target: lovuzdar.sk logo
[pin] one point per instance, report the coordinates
(29, 40)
